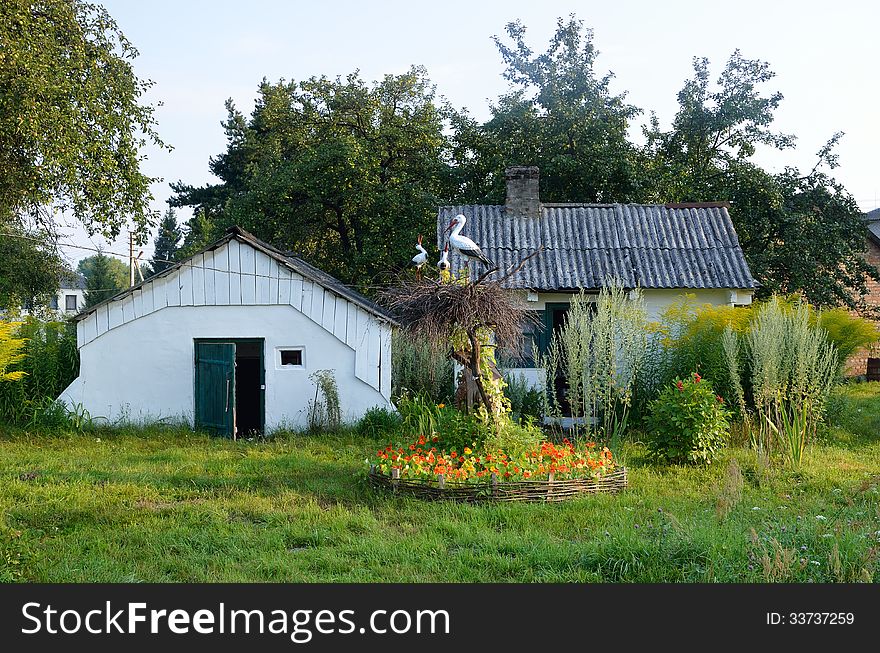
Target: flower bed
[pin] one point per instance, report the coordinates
(548, 472)
(547, 490)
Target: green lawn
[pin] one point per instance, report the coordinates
(172, 506)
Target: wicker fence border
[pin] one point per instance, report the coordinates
(506, 491)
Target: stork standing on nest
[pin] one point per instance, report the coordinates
(443, 263)
(420, 259)
(465, 246)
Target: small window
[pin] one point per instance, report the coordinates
(70, 302)
(53, 303)
(292, 357)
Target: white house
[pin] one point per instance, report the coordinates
(666, 250)
(71, 296)
(227, 340)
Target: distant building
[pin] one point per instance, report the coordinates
(867, 362)
(71, 296)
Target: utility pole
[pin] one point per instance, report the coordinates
(131, 261)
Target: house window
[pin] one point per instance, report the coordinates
(53, 303)
(70, 302)
(291, 357)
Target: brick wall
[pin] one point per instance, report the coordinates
(858, 364)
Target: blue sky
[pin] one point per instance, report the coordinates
(199, 53)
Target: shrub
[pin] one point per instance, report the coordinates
(602, 351)
(526, 402)
(793, 368)
(847, 332)
(10, 351)
(378, 421)
(688, 422)
(49, 364)
(419, 414)
(420, 368)
(514, 438)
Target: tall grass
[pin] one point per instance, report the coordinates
(793, 370)
(601, 348)
(50, 363)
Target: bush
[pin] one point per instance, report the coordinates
(418, 368)
(848, 333)
(378, 422)
(50, 363)
(688, 422)
(526, 402)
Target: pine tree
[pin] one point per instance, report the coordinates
(166, 244)
(102, 280)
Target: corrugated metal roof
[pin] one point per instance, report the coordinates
(873, 220)
(646, 245)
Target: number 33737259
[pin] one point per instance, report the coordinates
(807, 618)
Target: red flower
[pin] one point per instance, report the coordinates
(697, 377)
(679, 385)
(720, 399)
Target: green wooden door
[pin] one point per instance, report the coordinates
(215, 387)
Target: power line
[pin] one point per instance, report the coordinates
(181, 264)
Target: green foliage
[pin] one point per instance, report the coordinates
(49, 364)
(166, 244)
(342, 172)
(690, 338)
(526, 402)
(559, 114)
(324, 411)
(847, 332)
(688, 423)
(30, 267)
(419, 414)
(105, 277)
(10, 351)
(793, 369)
(420, 368)
(514, 438)
(71, 124)
(601, 349)
(800, 232)
(197, 235)
(54, 415)
(188, 500)
(379, 422)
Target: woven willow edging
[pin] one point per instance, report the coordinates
(549, 490)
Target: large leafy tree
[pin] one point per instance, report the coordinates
(105, 276)
(30, 268)
(561, 115)
(339, 171)
(800, 232)
(72, 122)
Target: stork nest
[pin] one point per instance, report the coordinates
(434, 310)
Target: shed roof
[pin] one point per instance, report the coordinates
(292, 262)
(646, 245)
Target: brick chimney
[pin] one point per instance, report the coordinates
(523, 199)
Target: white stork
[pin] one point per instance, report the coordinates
(421, 258)
(466, 247)
(443, 263)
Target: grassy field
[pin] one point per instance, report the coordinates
(160, 505)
